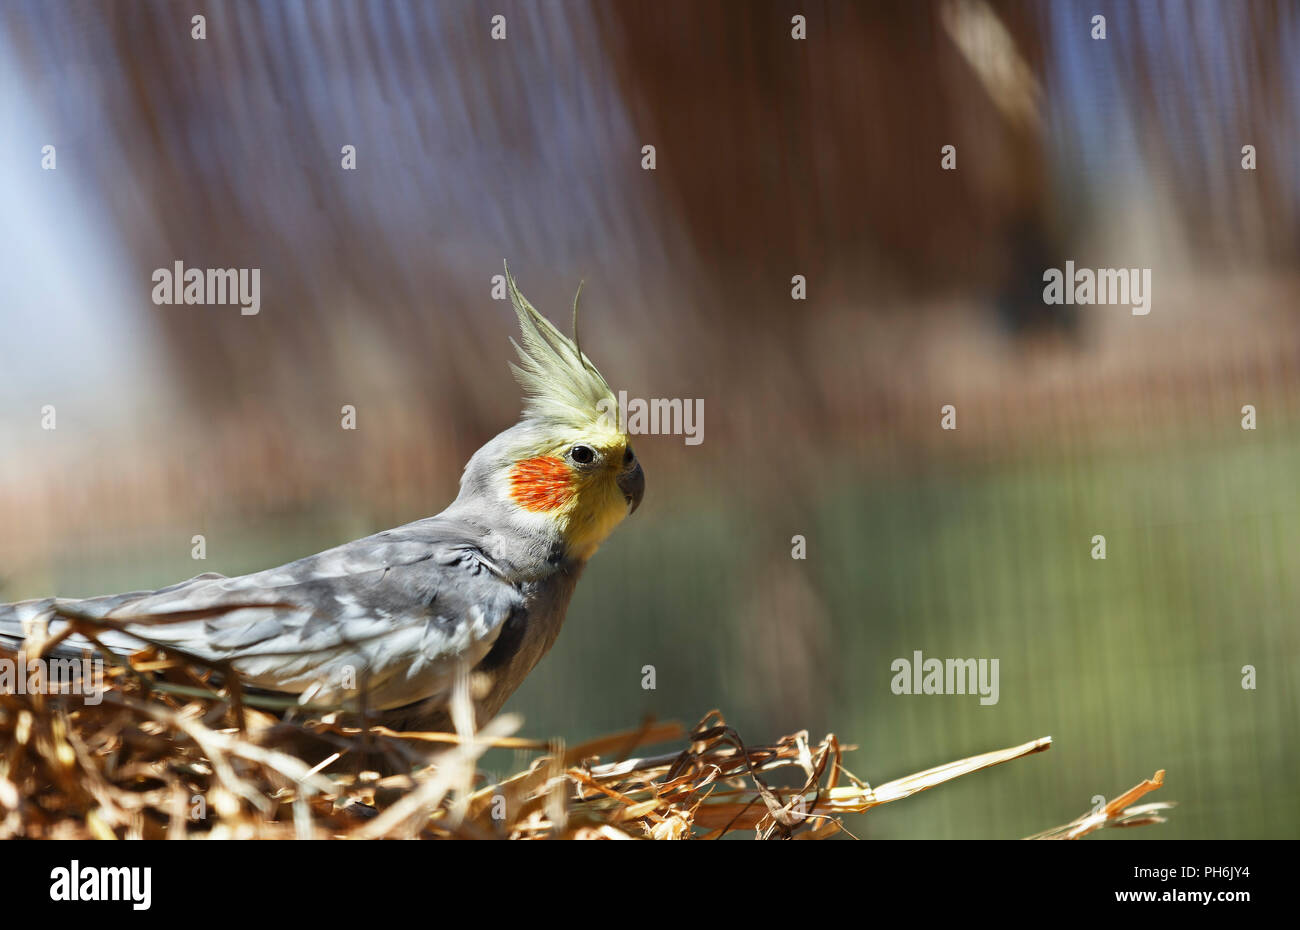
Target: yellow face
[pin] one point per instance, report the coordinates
(586, 486)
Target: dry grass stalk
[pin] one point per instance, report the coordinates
(1120, 812)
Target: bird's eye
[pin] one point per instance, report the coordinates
(628, 457)
(583, 455)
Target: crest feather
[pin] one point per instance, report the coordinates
(560, 383)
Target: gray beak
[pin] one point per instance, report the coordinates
(632, 483)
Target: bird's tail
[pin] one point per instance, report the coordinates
(47, 616)
(17, 620)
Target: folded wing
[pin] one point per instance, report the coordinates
(390, 615)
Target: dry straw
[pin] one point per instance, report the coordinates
(167, 754)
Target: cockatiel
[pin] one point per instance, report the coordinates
(387, 621)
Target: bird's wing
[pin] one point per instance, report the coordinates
(389, 615)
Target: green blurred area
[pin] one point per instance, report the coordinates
(1131, 664)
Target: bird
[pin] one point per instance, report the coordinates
(389, 621)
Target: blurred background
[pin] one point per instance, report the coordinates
(775, 157)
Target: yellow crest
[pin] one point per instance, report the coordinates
(562, 388)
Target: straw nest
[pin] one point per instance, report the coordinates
(166, 753)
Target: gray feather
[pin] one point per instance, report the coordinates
(392, 612)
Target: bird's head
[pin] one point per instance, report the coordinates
(567, 467)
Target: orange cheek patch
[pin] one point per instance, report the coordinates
(541, 484)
